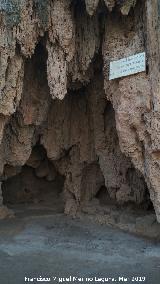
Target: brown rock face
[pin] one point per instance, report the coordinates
(61, 119)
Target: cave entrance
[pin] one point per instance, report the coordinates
(124, 186)
(83, 163)
(80, 136)
(36, 185)
(122, 198)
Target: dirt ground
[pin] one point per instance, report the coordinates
(42, 244)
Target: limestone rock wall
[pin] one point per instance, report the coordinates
(55, 91)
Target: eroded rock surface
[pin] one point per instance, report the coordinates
(55, 91)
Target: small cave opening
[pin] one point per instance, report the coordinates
(35, 185)
(119, 194)
(125, 186)
(141, 205)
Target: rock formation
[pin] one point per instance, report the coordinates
(55, 94)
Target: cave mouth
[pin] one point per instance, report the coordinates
(144, 207)
(125, 186)
(90, 177)
(80, 136)
(92, 169)
(36, 185)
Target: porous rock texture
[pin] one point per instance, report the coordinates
(55, 93)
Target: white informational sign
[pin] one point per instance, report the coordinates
(127, 66)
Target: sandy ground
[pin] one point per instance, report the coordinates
(54, 245)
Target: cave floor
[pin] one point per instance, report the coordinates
(49, 244)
